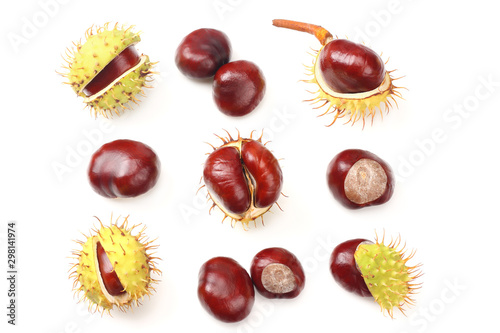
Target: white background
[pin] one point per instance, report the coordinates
(441, 142)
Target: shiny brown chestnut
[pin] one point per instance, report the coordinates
(201, 53)
(225, 289)
(277, 273)
(348, 67)
(123, 169)
(345, 270)
(109, 277)
(358, 178)
(243, 178)
(238, 88)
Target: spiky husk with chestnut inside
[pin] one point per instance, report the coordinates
(354, 105)
(131, 260)
(84, 61)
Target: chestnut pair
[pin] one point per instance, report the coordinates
(238, 86)
(226, 290)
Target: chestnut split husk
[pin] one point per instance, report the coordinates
(243, 178)
(375, 269)
(107, 70)
(358, 178)
(113, 267)
(351, 78)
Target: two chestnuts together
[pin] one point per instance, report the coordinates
(243, 178)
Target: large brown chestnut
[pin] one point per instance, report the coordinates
(225, 289)
(277, 273)
(123, 168)
(358, 178)
(202, 53)
(345, 270)
(238, 88)
(243, 178)
(348, 67)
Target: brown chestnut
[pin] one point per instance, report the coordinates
(345, 270)
(348, 67)
(358, 178)
(202, 53)
(277, 273)
(238, 88)
(123, 168)
(109, 277)
(225, 289)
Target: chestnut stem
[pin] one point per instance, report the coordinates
(323, 35)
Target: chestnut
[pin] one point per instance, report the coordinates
(350, 79)
(345, 270)
(225, 289)
(358, 178)
(277, 273)
(243, 178)
(378, 270)
(123, 168)
(201, 53)
(238, 88)
(109, 277)
(348, 67)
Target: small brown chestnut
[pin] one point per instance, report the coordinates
(202, 53)
(358, 178)
(345, 270)
(277, 273)
(238, 88)
(225, 289)
(123, 168)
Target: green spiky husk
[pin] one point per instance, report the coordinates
(85, 61)
(386, 275)
(130, 260)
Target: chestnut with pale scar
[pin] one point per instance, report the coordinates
(358, 178)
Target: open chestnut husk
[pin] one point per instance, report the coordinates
(350, 77)
(114, 267)
(123, 169)
(375, 269)
(201, 53)
(358, 178)
(243, 178)
(277, 273)
(225, 289)
(107, 70)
